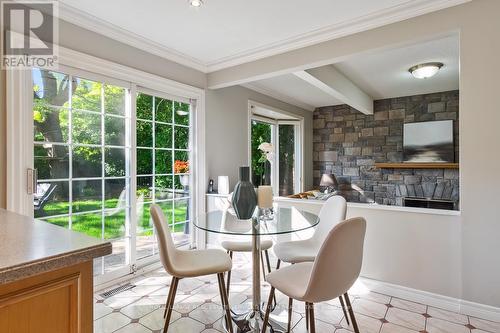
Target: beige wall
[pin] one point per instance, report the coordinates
(227, 131)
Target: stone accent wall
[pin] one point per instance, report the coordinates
(347, 143)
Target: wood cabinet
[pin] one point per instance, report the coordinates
(58, 301)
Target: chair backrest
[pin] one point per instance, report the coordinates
(338, 263)
(332, 213)
(165, 242)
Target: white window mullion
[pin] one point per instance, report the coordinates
(70, 153)
(132, 142)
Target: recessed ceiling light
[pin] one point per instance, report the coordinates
(427, 70)
(196, 3)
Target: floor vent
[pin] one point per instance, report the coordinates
(117, 290)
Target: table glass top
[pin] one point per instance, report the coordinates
(284, 220)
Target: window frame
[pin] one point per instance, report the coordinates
(299, 146)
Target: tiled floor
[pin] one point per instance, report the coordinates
(198, 309)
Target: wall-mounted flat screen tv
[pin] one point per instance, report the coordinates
(430, 141)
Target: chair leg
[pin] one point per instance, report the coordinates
(290, 307)
(262, 265)
(341, 299)
(351, 313)
(268, 262)
(173, 288)
(278, 264)
(229, 273)
(266, 252)
(312, 326)
(168, 297)
(268, 309)
(225, 302)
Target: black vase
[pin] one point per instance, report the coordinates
(244, 197)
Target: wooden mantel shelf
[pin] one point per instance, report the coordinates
(410, 165)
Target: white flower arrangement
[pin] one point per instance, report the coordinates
(267, 151)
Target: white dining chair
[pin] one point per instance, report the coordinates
(230, 223)
(330, 275)
(333, 212)
(185, 264)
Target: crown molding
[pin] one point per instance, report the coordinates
(377, 19)
(102, 27)
(279, 96)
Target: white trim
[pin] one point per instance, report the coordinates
(373, 20)
(19, 143)
(440, 301)
(374, 206)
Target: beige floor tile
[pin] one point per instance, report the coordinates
(448, 315)
(133, 328)
(188, 285)
(188, 304)
(408, 305)
(435, 325)
(408, 319)
(375, 297)
(110, 323)
(369, 308)
(140, 308)
(100, 310)
(485, 325)
(320, 326)
(391, 328)
(328, 313)
(143, 290)
(155, 320)
(207, 313)
(186, 325)
(366, 324)
(145, 304)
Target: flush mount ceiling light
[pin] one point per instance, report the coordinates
(427, 70)
(196, 3)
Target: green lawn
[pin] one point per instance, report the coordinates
(114, 222)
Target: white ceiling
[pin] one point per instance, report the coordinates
(385, 74)
(382, 74)
(224, 33)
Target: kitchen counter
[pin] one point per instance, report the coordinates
(46, 267)
(29, 247)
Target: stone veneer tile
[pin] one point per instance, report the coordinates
(379, 137)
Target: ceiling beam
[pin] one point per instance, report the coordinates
(329, 80)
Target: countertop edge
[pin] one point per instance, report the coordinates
(46, 264)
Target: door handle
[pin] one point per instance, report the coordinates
(32, 179)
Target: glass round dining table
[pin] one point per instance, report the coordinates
(282, 221)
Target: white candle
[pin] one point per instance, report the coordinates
(265, 197)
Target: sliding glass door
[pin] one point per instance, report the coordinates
(103, 154)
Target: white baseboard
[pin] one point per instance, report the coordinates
(444, 302)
